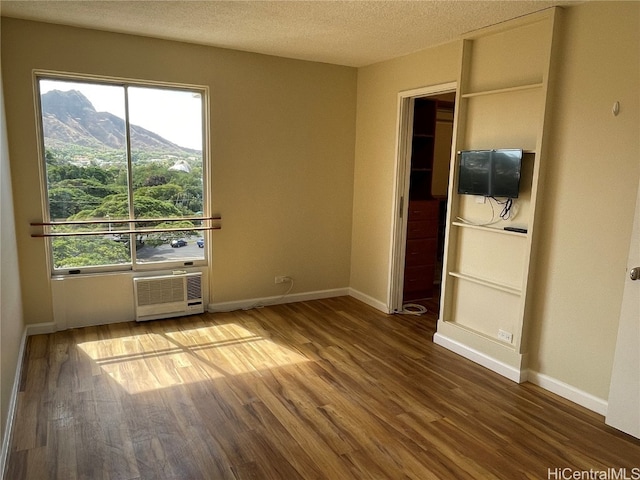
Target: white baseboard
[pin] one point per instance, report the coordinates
(11, 413)
(277, 300)
(41, 328)
(569, 392)
(480, 358)
(372, 302)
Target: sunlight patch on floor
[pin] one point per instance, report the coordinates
(151, 361)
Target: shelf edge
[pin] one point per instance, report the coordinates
(487, 283)
(498, 91)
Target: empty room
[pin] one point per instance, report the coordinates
(328, 240)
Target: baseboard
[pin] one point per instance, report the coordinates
(277, 300)
(569, 392)
(551, 384)
(11, 413)
(480, 358)
(372, 302)
(41, 328)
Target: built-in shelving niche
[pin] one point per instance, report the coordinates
(503, 91)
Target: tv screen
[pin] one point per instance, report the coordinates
(491, 173)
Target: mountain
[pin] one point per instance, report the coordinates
(69, 117)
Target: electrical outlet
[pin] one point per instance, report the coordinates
(505, 336)
(481, 199)
(282, 279)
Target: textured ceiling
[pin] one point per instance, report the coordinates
(353, 33)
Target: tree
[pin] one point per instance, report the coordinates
(87, 184)
(82, 251)
(116, 207)
(67, 201)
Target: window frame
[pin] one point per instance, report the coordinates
(133, 265)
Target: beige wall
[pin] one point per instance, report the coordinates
(377, 120)
(284, 179)
(588, 192)
(282, 137)
(588, 197)
(11, 323)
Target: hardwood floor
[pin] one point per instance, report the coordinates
(327, 389)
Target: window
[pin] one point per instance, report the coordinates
(126, 182)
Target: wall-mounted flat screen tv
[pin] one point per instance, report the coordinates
(491, 173)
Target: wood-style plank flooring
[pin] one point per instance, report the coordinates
(328, 389)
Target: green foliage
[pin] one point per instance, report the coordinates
(87, 183)
(82, 251)
(117, 206)
(168, 192)
(65, 202)
(92, 187)
(57, 173)
(62, 154)
(155, 180)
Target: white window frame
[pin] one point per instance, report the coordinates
(134, 266)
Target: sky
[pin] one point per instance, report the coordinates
(173, 114)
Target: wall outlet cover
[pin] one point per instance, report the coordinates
(505, 336)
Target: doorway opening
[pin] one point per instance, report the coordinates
(425, 150)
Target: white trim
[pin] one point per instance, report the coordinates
(480, 358)
(429, 91)
(569, 392)
(41, 328)
(13, 402)
(277, 300)
(372, 302)
(133, 265)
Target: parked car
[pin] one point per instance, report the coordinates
(181, 242)
(200, 242)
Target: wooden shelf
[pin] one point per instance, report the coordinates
(487, 283)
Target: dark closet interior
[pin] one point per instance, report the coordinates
(430, 153)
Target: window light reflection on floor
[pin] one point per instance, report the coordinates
(150, 361)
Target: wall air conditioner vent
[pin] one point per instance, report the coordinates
(168, 296)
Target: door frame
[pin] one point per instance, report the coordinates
(406, 101)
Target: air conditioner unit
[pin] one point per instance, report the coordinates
(168, 296)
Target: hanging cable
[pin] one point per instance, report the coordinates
(506, 207)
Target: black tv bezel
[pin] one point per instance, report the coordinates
(488, 192)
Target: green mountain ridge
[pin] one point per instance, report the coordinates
(70, 118)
